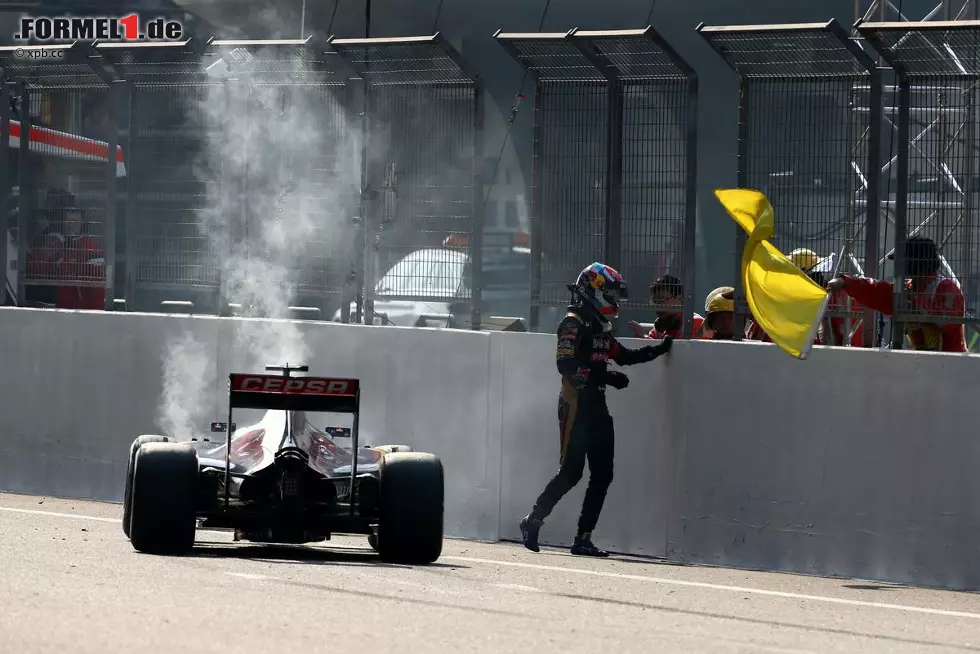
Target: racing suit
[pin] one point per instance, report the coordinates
(585, 426)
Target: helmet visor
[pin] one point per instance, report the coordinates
(611, 297)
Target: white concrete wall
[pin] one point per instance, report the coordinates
(853, 463)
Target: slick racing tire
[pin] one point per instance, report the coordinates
(164, 501)
(128, 492)
(411, 513)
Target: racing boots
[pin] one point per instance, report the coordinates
(583, 547)
(530, 526)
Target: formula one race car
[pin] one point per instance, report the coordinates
(282, 480)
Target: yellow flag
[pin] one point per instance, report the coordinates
(785, 303)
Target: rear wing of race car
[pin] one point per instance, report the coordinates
(278, 392)
(285, 393)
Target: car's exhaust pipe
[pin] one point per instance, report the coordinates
(292, 461)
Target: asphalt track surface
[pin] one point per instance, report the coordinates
(71, 583)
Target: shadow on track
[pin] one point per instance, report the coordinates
(306, 554)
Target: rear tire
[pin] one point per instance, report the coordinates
(164, 501)
(393, 449)
(411, 514)
(128, 492)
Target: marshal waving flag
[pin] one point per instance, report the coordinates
(785, 303)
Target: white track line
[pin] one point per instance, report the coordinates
(735, 589)
(247, 575)
(53, 514)
(620, 575)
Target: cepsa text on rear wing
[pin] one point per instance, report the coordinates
(276, 392)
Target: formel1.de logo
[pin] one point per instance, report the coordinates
(65, 29)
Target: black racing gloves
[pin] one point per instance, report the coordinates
(661, 349)
(616, 379)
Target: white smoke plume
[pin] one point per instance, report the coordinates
(187, 371)
(279, 173)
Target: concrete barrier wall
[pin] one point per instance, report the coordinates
(853, 463)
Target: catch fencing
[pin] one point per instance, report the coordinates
(231, 182)
(421, 196)
(238, 186)
(614, 159)
(809, 135)
(937, 66)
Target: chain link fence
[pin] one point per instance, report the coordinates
(809, 121)
(614, 158)
(243, 185)
(270, 177)
(422, 204)
(237, 196)
(936, 118)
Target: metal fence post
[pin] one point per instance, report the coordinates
(614, 174)
(129, 268)
(901, 214)
(366, 279)
(873, 213)
(537, 206)
(741, 181)
(111, 206)
(479, 210)
(691, 204)
(223, 297)
(27, 191)
(355, 276)
(6, 190)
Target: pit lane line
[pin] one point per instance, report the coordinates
(618, 575)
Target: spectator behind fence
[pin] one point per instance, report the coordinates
(719, 314)
(833, 330)
(63, 253)
(929, 293)
(667, 291)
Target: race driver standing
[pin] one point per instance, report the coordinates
(585, 346)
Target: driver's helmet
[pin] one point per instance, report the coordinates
(602, 287)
